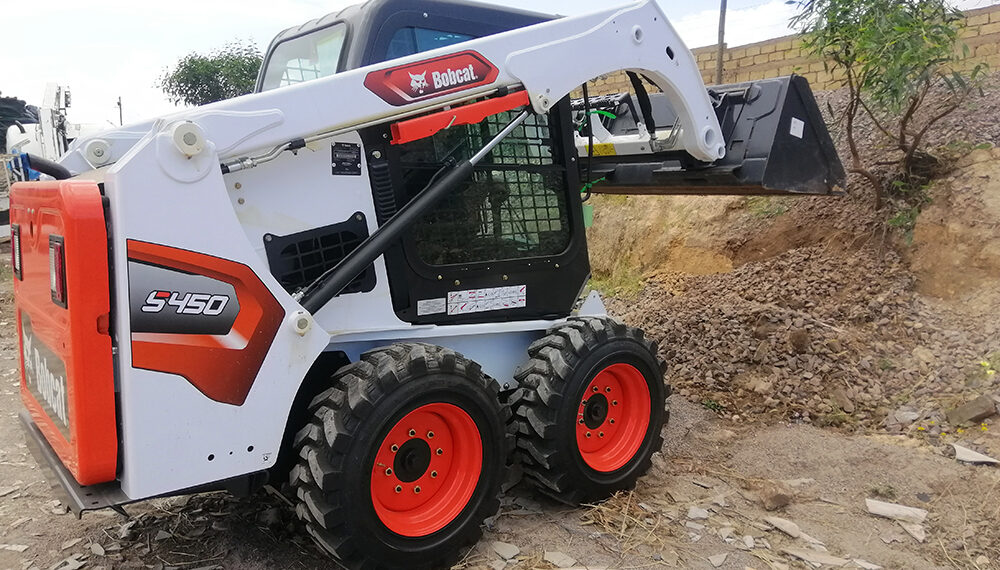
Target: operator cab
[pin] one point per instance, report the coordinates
(377, 31)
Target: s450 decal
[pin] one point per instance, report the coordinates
(188, 304)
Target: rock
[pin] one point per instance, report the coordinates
(727, 533)
(97, 549)
(14, 547)
(559, 560)
(973, 412)
(791, 529)
(982, 561)
(506, 550)
(799, 340)
(866, 565)
(915, 530)
(966, 455)
(4, 491)
(814, 557)
(924, 355)
(694, 525)
(896, 512)
(125, 531)
(842, 400)
(749, 542)
(906, 415)
(775, 496)
(498, 564)
(697, 513)
(71, 543)
(162, 535)
(718, 559)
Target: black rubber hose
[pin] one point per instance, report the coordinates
(45, 166)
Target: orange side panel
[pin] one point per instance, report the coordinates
(223, 367)
(67, 376)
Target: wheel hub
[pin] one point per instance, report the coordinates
(613, 417)
(596, 411)
(426, 469)
(412, 460)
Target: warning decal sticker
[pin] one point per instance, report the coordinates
(483, 300)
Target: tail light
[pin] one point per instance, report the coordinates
(57, 270)
(15, 249)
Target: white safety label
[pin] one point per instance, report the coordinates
(432, 306)
(798, 128)
(482, 300)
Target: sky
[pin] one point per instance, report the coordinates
(106, 49)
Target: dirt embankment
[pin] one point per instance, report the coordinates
(810, 308)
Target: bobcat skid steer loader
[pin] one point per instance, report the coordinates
(362, 283)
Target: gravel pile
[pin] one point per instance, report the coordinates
(829, 337)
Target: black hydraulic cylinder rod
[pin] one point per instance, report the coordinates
(45, 166)
(331, 283)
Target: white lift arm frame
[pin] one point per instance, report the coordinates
(549, 60)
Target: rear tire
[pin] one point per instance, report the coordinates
(402, 459)
(589, 409)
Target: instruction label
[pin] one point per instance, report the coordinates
(483, 300)
(798, 128)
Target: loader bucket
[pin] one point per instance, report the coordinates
(776, 141)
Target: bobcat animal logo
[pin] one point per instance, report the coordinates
(418, 83)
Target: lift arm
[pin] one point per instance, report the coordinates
(549, 60)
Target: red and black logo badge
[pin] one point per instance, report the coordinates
(431, 78)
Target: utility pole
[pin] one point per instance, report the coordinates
(122, 122)
(719, 65)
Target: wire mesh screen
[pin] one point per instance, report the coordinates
(303, 261)
(515, 206)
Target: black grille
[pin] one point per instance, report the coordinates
(514, 208)
(297, 260)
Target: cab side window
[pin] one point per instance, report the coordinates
(410, 40)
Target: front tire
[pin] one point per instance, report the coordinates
(402, 459)
(589, 409)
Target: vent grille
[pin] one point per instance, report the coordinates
(297, 260)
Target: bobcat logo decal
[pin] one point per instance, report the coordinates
(418, 83)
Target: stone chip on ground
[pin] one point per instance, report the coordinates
(697, 513)
(967, 455)
(816, 557)
(896, 512)
(972, 412)
(506, 550)
(559, 560)
(718, 560)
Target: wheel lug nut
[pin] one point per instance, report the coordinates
(388, 472)
(588, 434)
(595, 388)
(612, 420)
(608, 389)
(581, 420)
(614, 402)
(439, 451)
(434, 474)
(430, 435)
(399, 489)
(416, 489)
(601, 434)
(413, 432)
(394, 448)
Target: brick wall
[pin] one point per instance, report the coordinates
(784, 56)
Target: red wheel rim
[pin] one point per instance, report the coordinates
(613, 417)
(426, 469)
